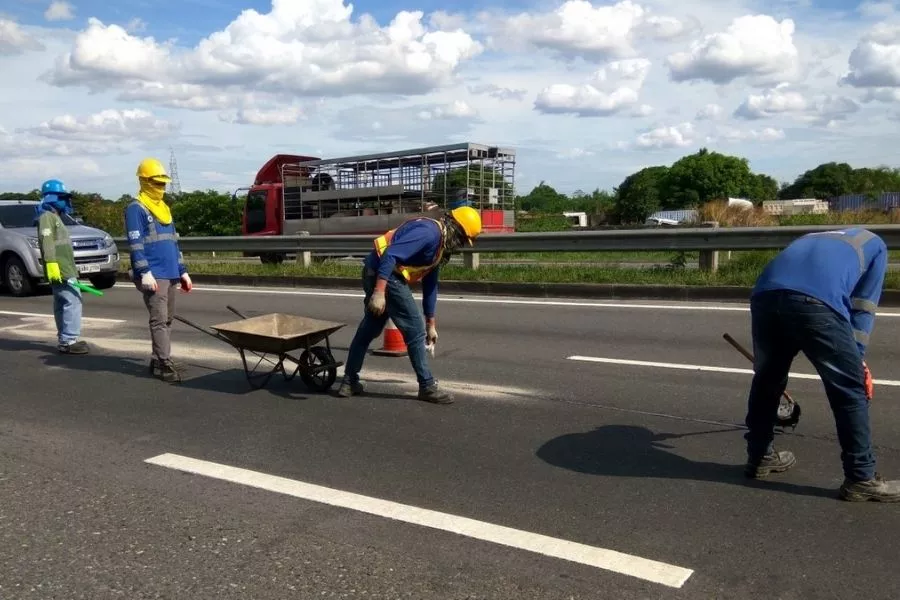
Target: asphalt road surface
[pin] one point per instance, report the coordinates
(581, 460)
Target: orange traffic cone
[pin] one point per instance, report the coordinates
(394, 344)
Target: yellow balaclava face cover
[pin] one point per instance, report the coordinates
(151, 196)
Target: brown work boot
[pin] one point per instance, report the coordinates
(876, 490)
(78, 347)
(774, 462)
(155, 366)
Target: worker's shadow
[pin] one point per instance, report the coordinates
(198, 376)
(630, 451)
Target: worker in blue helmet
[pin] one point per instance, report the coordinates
(59, 264)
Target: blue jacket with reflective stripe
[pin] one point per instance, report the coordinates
(153, 246)
(844, 269)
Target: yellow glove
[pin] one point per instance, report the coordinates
(53, 273)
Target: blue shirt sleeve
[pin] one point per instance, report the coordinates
(403, 247)
(134, 230)
(429, 293)
(865, 297)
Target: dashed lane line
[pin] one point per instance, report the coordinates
(601, 558)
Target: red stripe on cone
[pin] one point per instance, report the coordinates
(394, 344)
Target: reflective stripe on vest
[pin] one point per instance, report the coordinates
(411, 274)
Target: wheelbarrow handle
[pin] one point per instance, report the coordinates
(197, 327)
(236, 311)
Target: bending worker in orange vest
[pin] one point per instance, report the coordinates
(414, 251)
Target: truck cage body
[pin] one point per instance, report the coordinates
(376, 192)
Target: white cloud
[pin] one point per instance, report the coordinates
(774, 102)
(579, 28)
(59, 11)
(613, 88)
(734, 135)
(255, 116)
(457, 110)
(875, 62)
(299, 48)
(675, 136)
(710, 112)
(107, 126)
(14, 41)
(876, 10)
(754, 46)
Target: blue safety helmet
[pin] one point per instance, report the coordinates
(54, 195)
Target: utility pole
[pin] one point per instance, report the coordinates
(175, 185)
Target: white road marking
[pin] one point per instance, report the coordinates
(602, 558)
(12, 313)
(445, 297)
(710, 368)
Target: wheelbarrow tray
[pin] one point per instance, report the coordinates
(276, 333)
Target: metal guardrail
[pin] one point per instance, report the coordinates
(696, 238)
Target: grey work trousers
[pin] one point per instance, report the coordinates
(161, 306)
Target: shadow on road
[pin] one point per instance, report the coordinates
(631, 451)
(229, 381)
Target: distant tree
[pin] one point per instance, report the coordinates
(208, 213)
(639, 195)
(825, 181)
(704, 176)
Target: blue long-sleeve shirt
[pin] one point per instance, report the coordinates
(153, 246)
(415, 244)
(844, 269)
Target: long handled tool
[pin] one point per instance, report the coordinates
(788, 409)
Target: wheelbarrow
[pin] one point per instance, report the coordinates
(277, 335)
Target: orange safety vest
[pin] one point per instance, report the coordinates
(411, 274)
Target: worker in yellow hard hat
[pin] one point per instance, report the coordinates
(157, 264)
(412, 252)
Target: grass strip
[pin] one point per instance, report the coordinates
(741, 270)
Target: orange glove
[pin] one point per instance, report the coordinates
(870, 386)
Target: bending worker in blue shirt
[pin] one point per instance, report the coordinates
(412, 252)
(819, 296)
(156, 262)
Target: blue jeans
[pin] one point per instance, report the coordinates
(785, 323)
(67, 312)
(401, 308)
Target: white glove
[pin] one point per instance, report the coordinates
(376, 303)
(431, 334)
(148, 282)
(186, 284)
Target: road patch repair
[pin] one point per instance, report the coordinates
(36, 326)
(601, 558)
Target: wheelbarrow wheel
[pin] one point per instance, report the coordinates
(314, 358)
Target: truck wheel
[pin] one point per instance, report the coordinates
(16, 277)
(103, 282)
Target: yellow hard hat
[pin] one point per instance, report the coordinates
(469, 219)
(150, 168)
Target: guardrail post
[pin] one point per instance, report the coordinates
(304, 257)
(472, 260)
(709, 259)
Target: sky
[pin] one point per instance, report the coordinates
(585, 92)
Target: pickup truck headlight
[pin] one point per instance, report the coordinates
(108, 241)
(33, 242)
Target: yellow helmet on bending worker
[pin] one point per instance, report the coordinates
(412, 252)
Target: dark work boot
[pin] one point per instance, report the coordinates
(167, 372)
(774, 462)
(876, 490)
(351, 389)
(78, 347)
(435, 395)
(154, 366)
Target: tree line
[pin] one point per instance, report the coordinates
(690, 182)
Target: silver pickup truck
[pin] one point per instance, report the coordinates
(21, 268)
